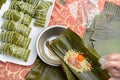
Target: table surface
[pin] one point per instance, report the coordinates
(60, 16)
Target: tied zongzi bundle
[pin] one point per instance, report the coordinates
(44, 5)
(15, 38)
(26, 8)
(15, 15)
(40, 18)
(14, 51)
(33, 2)
(11, 25)
(41, 13)
(15, 5)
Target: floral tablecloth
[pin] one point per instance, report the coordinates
(61, 15)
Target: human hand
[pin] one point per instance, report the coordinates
(112, 64)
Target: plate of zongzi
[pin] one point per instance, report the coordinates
(80, 58)
(20, 23)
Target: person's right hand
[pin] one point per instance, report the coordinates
(112, 64)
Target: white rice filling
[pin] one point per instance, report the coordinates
(84, 65)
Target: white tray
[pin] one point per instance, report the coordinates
(33, 35)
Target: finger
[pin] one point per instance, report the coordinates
(113, 64)
(113, 57)
(113, 72)
(112, 78)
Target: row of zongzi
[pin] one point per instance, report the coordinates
(26, 8)
(14, 37)
(39, 11)
(33, 2)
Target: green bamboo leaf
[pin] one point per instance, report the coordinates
(42, 71)
(104, 32)
(69, 74)
(70, 40)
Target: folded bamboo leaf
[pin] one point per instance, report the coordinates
(28, 9)
(39, 24)
(15, 38)
(41, 12)
(33, 2)
(106, 27)
(14, 51)
(111, 8)
(40, 17)
(106, 30)
(44, 5)
(42, 71)
(26, 19)
(69, 74)
(16, 26)
(11, 14)
(15, 5)
(16, 0)
(69, 40)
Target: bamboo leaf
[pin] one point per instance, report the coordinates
(42, 71)
(70, 40)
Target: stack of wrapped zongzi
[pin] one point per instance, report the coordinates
(14, 37)
(35, 8)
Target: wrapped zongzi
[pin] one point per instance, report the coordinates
(44, 5)
(15, 15)
(33, 2)
(11, 25)
(15, 38)
(14, 51)
(41, 13)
